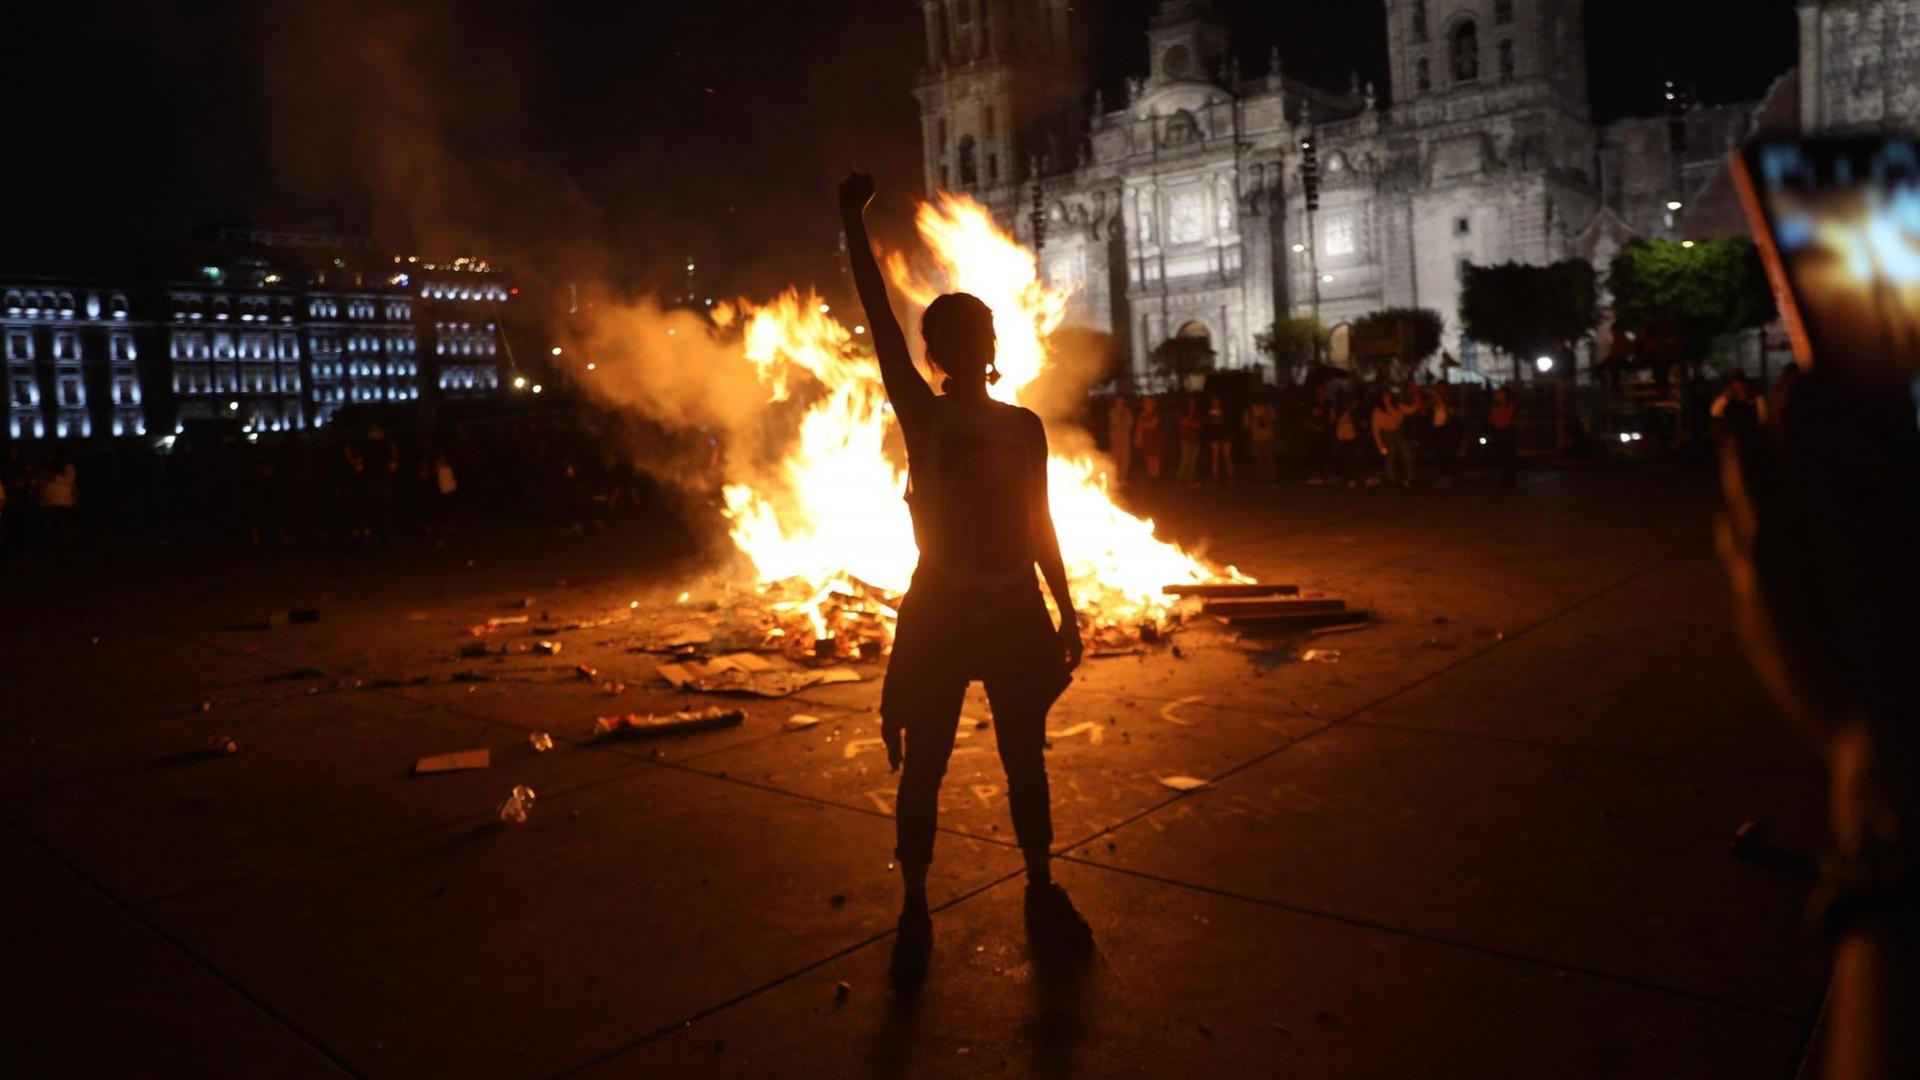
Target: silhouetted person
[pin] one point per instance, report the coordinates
(1819, 538)
(1147, 436)
(1120, 438)
(977, 489)
(1503, 436)
(1219, 442)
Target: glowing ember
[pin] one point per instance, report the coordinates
(831, 516)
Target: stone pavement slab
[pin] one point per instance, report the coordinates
(313, 775)
(1599, 861)
(109, 997)
(1186, 983)
(1650, 668)
(618, 909)
(40, 892)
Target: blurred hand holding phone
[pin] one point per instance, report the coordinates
(1838, 226)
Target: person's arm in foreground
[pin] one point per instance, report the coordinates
(1052, 567)
(905, 388)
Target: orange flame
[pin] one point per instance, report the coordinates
(832, 508)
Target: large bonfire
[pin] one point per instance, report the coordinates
(829, 521)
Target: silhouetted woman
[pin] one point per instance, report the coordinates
(977, 489)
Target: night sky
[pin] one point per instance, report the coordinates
(598, 141)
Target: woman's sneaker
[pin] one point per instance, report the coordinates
(1052, 919)
(913, 944)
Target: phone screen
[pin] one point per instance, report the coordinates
(1838, 224)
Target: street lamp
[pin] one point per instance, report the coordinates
(1544, 364)
(519, 382)
(1299, 248)
(1675, 204)
(556, 350)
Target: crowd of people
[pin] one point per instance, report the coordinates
(358, 485)
(1334, 433)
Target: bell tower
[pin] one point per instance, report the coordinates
(1442, 47)
(1185, 41)
(998, 81)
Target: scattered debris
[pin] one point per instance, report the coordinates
(1321, 656)
(517, 805)
(749, 673)
(645, 724)
(471, 676)
(495, 623)
(540, 741)
(587, 671)
(1751, 838)
(841, 989)
(1185, 783)
(223, 745)
(1269, 605)
(547, 648)
(390, 684)
(457, 761)
(473, 650)
(799, 722)
(1349, 628)
(523, 602)
(1224, 590)
(614, 687)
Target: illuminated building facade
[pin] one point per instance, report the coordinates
(1209, 202)
(272, 331)
(73, 355)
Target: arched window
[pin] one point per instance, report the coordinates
(989, 120)
(993, 168)
(1194, 329)
(1506, 61)
(1502, 12)
(1465, 42)
(1419, 20)
(1176, 62)
(1423, 75)
(969, 171)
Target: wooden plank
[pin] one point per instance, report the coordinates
(1230, 589)
(1272, 606)
(454, 762)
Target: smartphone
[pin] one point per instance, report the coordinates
(1837, 222)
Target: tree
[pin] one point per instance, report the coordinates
(1688, 295)
(1178, 357)
(1525, 311)
(1411, 335)
(1292, 344)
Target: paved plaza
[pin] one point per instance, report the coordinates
(1490, 840)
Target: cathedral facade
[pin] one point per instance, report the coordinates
(1185, 210)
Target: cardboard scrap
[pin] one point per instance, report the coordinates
(799, 722)
(454, 762)
(1185, 783)
(750, 674)
(495, 623)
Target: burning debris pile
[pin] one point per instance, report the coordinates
(823, 525)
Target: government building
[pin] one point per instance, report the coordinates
(1185, 209)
